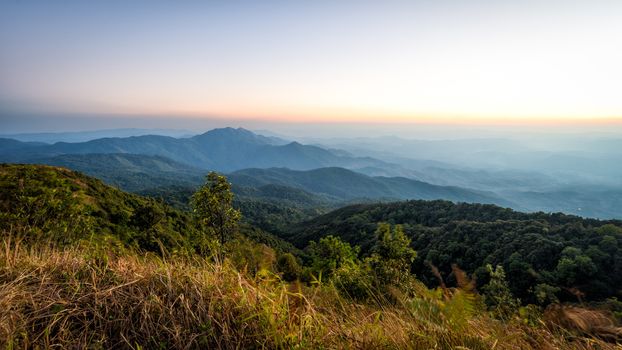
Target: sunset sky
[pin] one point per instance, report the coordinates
(316, 61)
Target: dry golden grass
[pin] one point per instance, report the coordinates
(583, 321)
(65, 298)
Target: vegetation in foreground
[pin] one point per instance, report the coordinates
(83, 265)
(67, 297)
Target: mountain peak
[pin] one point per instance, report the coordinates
(228, 131)
(233, 135)
(237, 136)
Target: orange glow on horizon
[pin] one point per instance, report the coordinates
(369, 117)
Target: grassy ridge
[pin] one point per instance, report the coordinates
(62, 297)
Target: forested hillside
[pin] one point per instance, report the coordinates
(546, 256)
(65, 206)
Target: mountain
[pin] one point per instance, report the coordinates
(224, 150)
(346, 185)
(8, 145)
(542, 253)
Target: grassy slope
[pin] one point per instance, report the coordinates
(52, 297)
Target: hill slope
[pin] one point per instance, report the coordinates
(130, 172)
(48, 202)
(344, 184)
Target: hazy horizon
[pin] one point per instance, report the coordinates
(46, 123)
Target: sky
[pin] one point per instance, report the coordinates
(465, 62)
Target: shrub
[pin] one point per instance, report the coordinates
(288, 266)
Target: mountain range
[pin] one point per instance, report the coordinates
(222, 150)
(148, 163)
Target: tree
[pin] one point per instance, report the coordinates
(338, 262)
(330, 254)
(497, 295)
(574, 267)
(392, 257)
(546, 293)
(212, 204)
